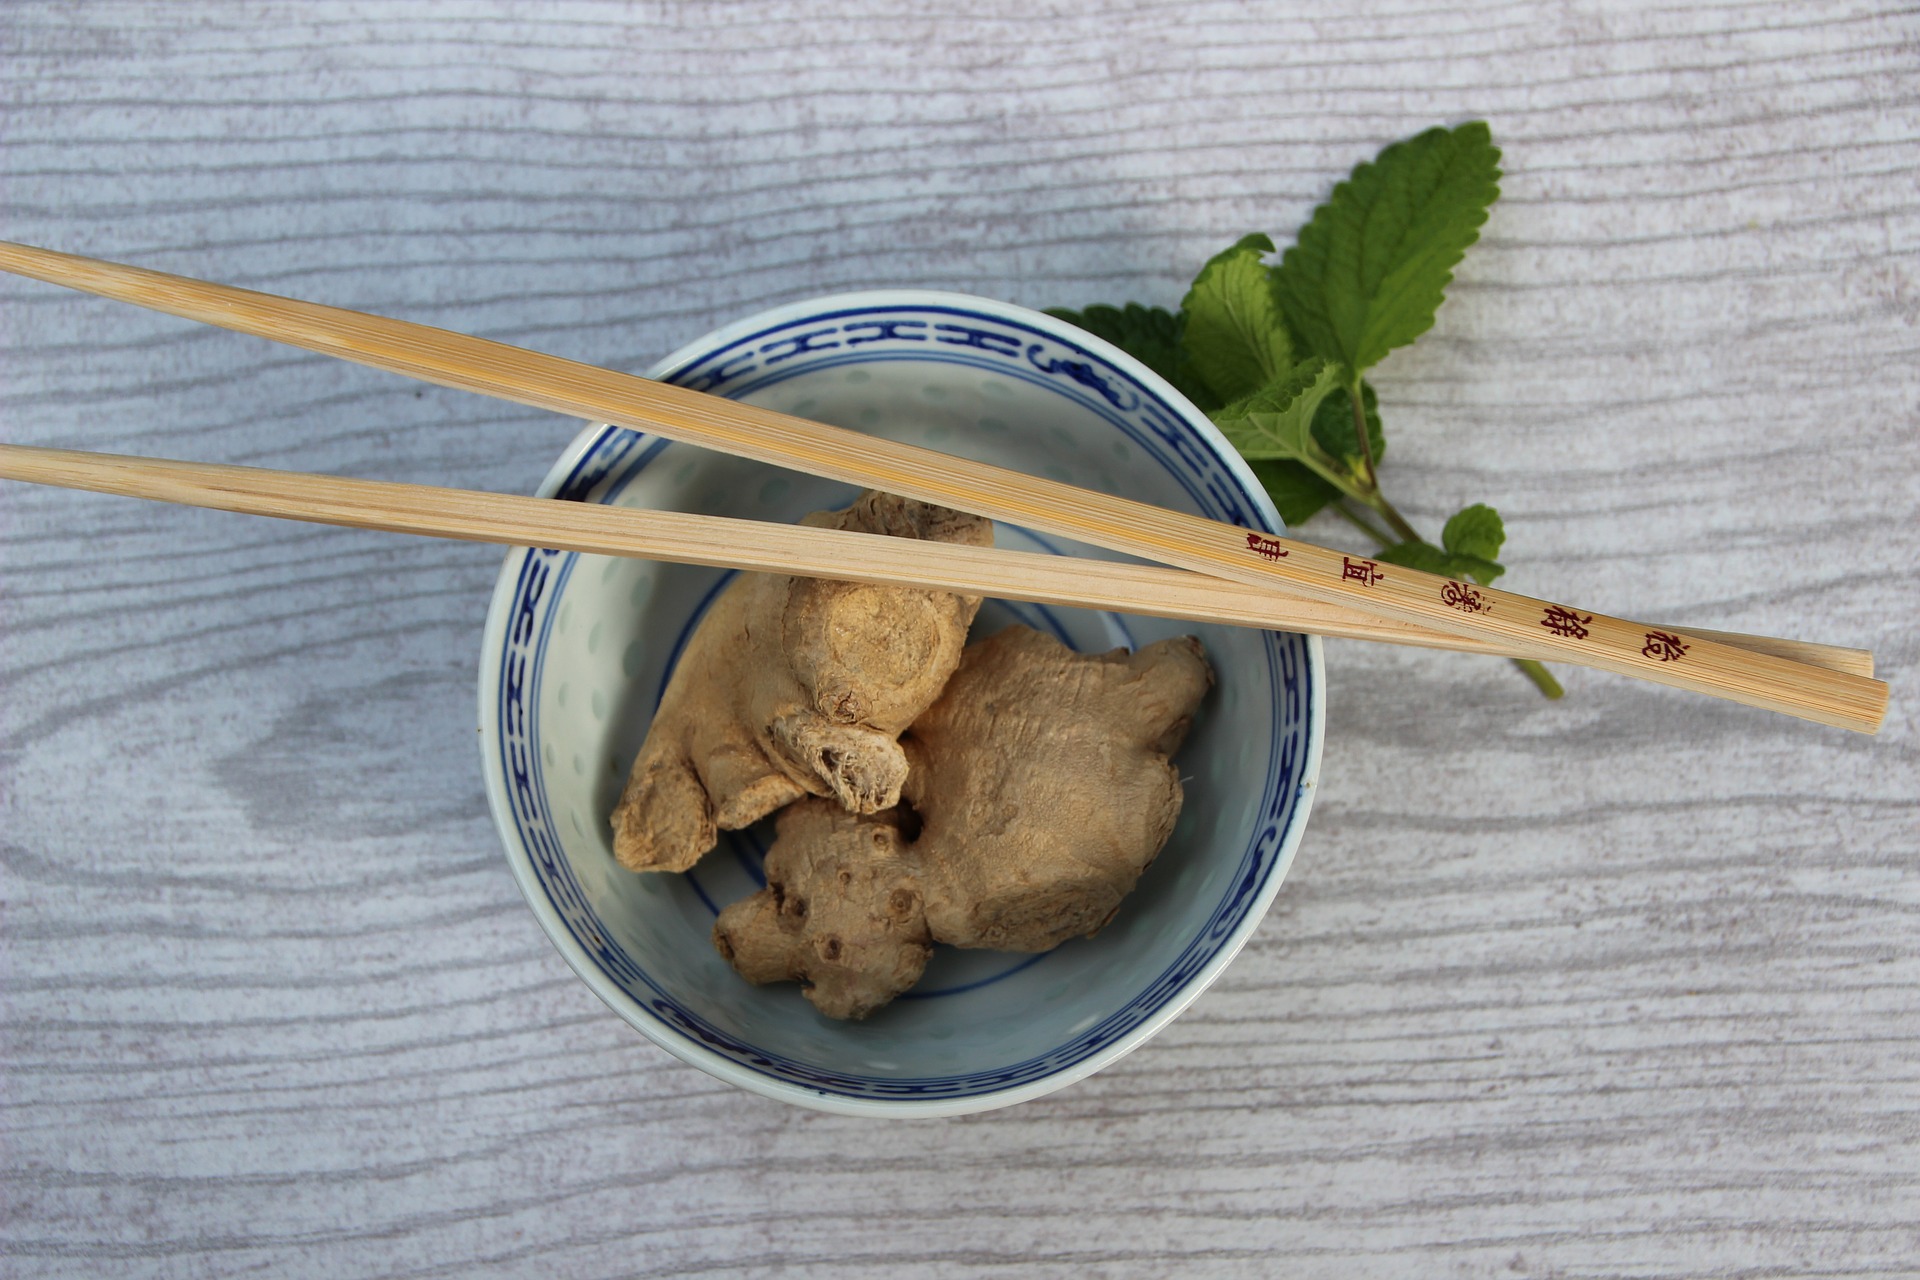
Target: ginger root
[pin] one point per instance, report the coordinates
(1039, 791)
(841, 912)
(793, 687)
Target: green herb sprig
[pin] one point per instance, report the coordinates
(1276, 353)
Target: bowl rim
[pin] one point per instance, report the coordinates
(677, 1041)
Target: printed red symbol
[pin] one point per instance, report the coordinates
(1464, 598)
(1366, 571)
(1267, 547)
(1665, 646)
(1565, 622)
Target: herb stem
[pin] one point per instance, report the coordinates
(1370, 478)
(1360, 522)
(1388, 512)
(1541, 677)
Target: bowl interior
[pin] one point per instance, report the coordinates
(582, 646)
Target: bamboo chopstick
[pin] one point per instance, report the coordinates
(1681, 660)
(744, 544)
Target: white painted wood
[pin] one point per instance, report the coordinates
(1623, 986)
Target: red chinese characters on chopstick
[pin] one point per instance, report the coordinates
(1266, 548)
(1664, 645)
(1361, 571)
(1459, 595)
(1563, 621)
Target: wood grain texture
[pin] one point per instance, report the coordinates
(1620, 986)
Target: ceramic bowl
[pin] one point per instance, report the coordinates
(578, 648)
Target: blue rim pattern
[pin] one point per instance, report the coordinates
(857, 335)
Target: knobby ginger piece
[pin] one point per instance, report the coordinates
(793, 687)
(1043, 784)
(1040, 789)
(841, 912)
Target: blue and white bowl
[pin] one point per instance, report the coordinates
(579, 647)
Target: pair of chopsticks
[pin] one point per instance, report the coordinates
(1218, 572)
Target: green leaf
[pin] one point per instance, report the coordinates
(1423, 556)
(1298, 494)
(1474, 531)
(1150, 335)
(1277, 420)
(1274, 430)
(1234, 335)
(1373, 264)
(1480, 570)
(1333, 426)
(1428, 558)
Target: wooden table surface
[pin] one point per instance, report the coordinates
(1627, 985)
